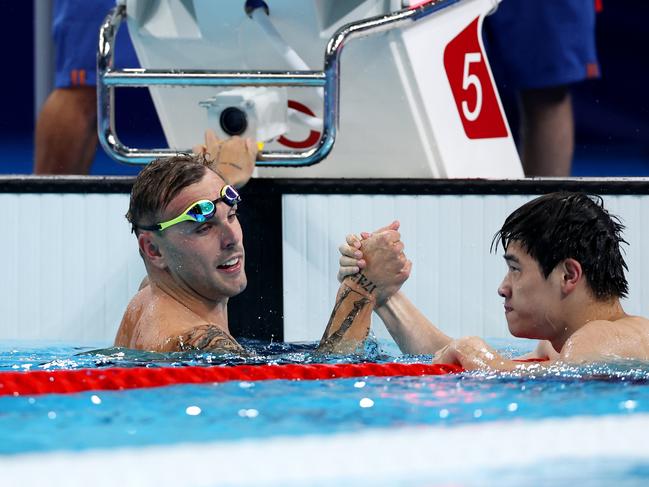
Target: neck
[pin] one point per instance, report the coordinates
(208, 310)
(585, 311)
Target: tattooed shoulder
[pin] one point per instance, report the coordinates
(208, 337)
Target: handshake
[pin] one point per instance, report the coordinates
(372, 268)
(374, 264)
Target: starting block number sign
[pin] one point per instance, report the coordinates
(472, 87)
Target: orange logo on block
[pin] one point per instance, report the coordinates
(473, 91)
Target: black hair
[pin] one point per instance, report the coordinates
(564, 225)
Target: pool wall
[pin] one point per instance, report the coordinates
(447, 237)
(71, 263)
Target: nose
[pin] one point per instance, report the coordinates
(504, 290)
(230, 234)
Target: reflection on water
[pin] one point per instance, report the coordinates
(24, 357)
(253, 410)
(61, 357)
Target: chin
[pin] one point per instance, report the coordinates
(242, 286)
(527, 329)
(239, 287)
(516, 329)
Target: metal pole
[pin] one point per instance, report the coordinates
(43, 53)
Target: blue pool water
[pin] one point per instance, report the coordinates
(262, 409)
(265, 411)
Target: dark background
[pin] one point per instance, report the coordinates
(612, 113)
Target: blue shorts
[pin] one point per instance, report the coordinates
(542, 43)
(76, 36)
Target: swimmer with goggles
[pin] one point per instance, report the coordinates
(201, 211)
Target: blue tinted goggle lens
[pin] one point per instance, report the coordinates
(202, 211)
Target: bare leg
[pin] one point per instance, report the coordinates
(66, 132)
(547, 131)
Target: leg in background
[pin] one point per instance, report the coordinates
(547, 131)
(66, 132)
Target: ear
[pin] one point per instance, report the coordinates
(571, 274)
(150, 250)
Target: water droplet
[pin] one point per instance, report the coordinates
(512, 407)
(51, 415)
(95, 399)
(359, 384)
(444, 413)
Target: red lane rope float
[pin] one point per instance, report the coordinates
(78, 380)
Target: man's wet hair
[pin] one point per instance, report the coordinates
(158, 183)
(564, 225)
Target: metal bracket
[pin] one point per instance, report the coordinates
(329, 79)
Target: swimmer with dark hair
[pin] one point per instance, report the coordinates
(565, 277)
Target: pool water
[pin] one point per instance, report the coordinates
(260, 414)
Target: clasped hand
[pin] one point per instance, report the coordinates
(379, 256)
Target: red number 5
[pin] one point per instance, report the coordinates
(473, 91)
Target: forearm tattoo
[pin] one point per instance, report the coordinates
(362, 280)
(209, 338)
(331, 341)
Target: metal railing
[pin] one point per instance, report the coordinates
(328, 79)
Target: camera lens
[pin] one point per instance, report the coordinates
(233, 121)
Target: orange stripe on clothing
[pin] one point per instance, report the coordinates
(82, 77)
(73, 77)
(592, 70)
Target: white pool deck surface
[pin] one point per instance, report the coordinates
(368, 457)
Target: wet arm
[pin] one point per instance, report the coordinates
(544, 350)
(473, 353)
(350, 319)
(412, 331)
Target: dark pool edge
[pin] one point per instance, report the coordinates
(123, 184)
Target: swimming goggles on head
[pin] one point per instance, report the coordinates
(201, 211)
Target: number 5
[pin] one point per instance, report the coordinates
(468, 80)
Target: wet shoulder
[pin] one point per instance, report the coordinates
(638, 326)
(162, 318)
(627, 337)
(150, 319)
(130, 320)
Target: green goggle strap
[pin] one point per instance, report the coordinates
(185, 216)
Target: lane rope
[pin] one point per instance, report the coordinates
(78, 380)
